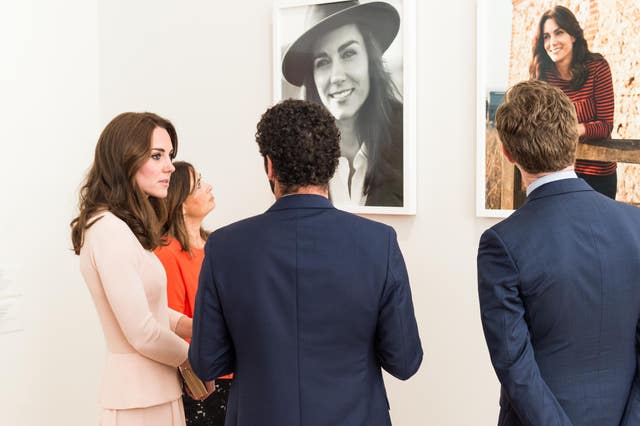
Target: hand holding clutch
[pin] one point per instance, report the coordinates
(193, 385)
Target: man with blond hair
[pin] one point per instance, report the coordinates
(559, 280)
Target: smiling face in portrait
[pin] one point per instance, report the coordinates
(557, 42)
(200, 201)
(341, 71)
(154, 174)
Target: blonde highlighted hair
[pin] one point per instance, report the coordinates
(538, 127)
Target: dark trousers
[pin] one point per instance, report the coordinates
(606, 185)
(211, 411)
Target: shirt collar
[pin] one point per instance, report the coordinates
(301, 201)
(551, 177)
(343, 193)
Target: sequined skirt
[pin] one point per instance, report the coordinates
(211, 411)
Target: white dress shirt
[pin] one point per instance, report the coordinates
(551, 177)
(340, 191)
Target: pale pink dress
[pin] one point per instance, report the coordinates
(128, 285)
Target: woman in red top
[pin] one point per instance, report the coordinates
(189, 200)
(562, 58)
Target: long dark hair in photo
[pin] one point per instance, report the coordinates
(182, 184)
(376, 116)
(541, 62)
(123, 147)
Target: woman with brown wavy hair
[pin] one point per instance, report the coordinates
(562, 58)
(189, 201)
(115, 232)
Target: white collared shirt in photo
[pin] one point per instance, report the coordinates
(340, 191)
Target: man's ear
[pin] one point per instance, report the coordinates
(506, 154)
(268, 165)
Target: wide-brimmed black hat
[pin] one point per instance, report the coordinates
(380, 18)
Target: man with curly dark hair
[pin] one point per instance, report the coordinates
(305, 303)
(301, 141)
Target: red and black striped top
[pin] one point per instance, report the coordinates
(594, 105)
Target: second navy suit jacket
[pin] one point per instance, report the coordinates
(305, 304)
(559, 287)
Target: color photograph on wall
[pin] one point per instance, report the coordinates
(357, 59)
(590, 49)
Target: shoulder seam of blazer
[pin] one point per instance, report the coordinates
(506, 247)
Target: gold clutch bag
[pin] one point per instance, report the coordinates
(196, 388)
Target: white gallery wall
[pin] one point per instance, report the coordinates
(74, 64)
(49, 115)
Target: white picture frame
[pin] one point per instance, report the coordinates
(489, 29)
(289, 23)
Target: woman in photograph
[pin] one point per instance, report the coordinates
(561, 57)
(115, 233)
(338, 61)
(188, 202)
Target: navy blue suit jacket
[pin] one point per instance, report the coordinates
(305, 303)
(559, 287)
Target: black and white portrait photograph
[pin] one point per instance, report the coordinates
(356, 59)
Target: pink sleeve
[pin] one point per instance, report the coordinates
(174, 317)
(116, 255)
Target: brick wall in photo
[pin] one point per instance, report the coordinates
(612, 28)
